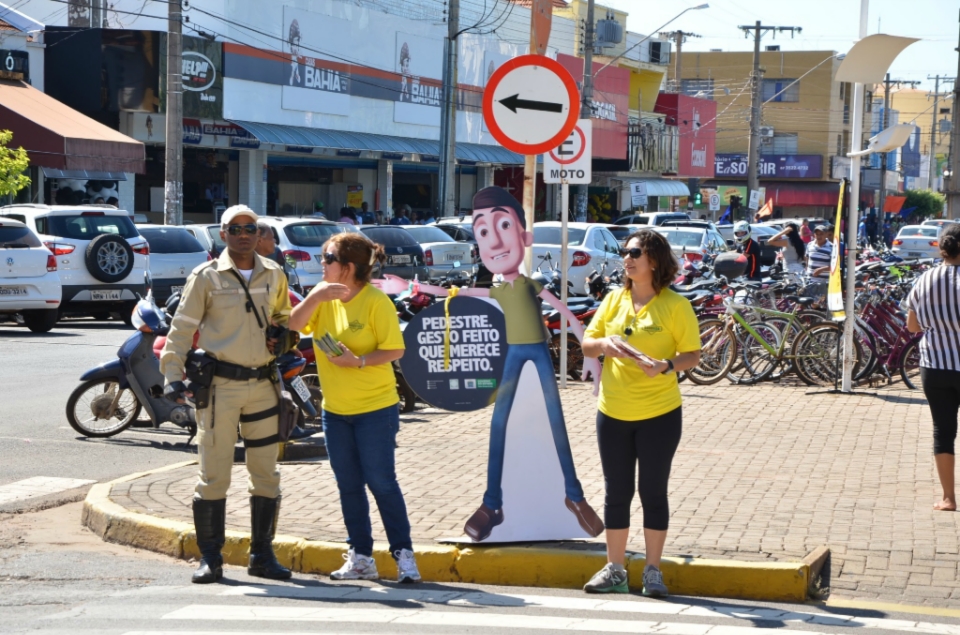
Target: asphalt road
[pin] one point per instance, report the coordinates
(37, 375)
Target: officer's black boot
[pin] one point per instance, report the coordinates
(263, 523)
(209, 518)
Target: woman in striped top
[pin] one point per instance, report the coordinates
(933, 307)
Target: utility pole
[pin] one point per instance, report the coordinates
(753, 178)
(173, 168)
(678, 37)
(448, 114)
(586, 98)
(953, 195)
(932, 165)
(887, 82)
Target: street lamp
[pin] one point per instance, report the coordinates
(657, 30)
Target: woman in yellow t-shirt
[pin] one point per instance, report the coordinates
(639, 419)
(361, 416)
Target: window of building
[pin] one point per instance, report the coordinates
(784, 143)
(781, 90)
(697, 88)
(868, 101)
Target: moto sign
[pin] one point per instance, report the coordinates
(570, 161)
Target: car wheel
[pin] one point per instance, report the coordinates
(109, 258)
(41, 320)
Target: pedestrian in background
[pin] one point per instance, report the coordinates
(347, 216)
(932, 308)
(805, 234)
(640, 418)
(794, 251)
(361, 416)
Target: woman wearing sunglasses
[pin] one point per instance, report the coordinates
(647, 333)
(361, 417)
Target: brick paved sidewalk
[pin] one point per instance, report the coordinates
(767, 471)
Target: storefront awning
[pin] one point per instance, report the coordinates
(664, 187)
(83, 175)
(57, 136)
(340, 140)
(802, 194)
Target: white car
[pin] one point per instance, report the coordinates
(101, 257)
(651, 218)
(693, 243)
(301, 240)
(442, 255)
(918, 241)
(591, 247)
(209, 237)
(29, 284)
(174, 253)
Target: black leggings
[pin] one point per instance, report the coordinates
(652, 443)
(942, 388)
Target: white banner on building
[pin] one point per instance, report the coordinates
(419, 60)
(306, 87)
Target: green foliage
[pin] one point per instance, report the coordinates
(929, 204)
(13, 164)
(599, 209)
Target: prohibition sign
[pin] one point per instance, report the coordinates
(583, 147)
(531, 104)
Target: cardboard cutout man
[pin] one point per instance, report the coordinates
(501, 234)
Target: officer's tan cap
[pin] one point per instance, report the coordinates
(237, 210)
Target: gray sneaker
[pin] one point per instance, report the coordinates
(610, 579)
(653, 586)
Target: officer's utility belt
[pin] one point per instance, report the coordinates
(242, 373)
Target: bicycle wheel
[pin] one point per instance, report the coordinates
(871, 359)
(757, 360)
(818, 355)
(909, 364)
(791, 331)
(718, 352)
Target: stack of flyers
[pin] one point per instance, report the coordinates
(633, 353)
(329, 346)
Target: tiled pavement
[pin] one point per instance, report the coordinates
(769, 471)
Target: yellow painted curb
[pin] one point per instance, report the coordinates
(478, 564)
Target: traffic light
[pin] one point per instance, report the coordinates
(698, 199)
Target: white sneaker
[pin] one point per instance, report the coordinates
(356, 567)
(407, 571)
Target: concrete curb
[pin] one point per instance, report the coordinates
(501, 565)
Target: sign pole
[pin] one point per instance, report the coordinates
(530, 162)
(564, 218)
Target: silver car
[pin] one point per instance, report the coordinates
(442, 255)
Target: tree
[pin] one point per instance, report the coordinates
(13, 164)
(928, 204)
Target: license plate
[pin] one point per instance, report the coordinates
(109, 294)
(915, 254)
(452, 257)
(400, 260)
(301, 388)
(13, 291)
(176, 290)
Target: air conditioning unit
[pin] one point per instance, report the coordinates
(659, 52)
(766, 132)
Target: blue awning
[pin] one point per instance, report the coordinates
(338, 139)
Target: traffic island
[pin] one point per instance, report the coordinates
(559, 565)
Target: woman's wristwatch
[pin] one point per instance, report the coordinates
(363, 361)
(669, 367)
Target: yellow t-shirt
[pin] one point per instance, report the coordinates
(366, 323)
(665, 327)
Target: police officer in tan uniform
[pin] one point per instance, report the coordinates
(236, 334)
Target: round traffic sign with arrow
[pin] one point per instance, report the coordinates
(531, 104)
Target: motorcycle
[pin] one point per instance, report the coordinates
(113, 394)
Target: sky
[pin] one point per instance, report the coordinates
(831, 25)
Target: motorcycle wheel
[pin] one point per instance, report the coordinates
(97, 394)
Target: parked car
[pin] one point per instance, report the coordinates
(209, 237)
(591, 247)
(29, 284)
(101, 257)
(301, 240)
(693, 243)
(174, 253)
(622, 232)
(917, 241)
(651, 218)
(405, 257)
(461, 231)
(442, 254)
(939, 222)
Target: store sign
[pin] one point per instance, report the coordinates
(910, 155)
(14, 65)
(199, 72)
(201, 77)
(192, 131)
(776, 166)
(638, 193)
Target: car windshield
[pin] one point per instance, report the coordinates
(390, 236)
(214, 232)
(171, 240)
(551, 236)
(920, 231)
(89, 225)
(429, 234)
(682, 237)
(310, 234)
(13, 237)
(620, 232)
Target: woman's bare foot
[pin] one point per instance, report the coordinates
(946, 505)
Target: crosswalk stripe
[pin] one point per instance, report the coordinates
(38, 486)
(507, 600)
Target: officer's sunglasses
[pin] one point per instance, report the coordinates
(330, 258)
(236, 230)
(633, 252)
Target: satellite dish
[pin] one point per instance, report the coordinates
(889, 139)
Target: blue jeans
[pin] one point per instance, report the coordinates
(361, 449)
(517, 356)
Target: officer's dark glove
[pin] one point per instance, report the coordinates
(175, 391)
